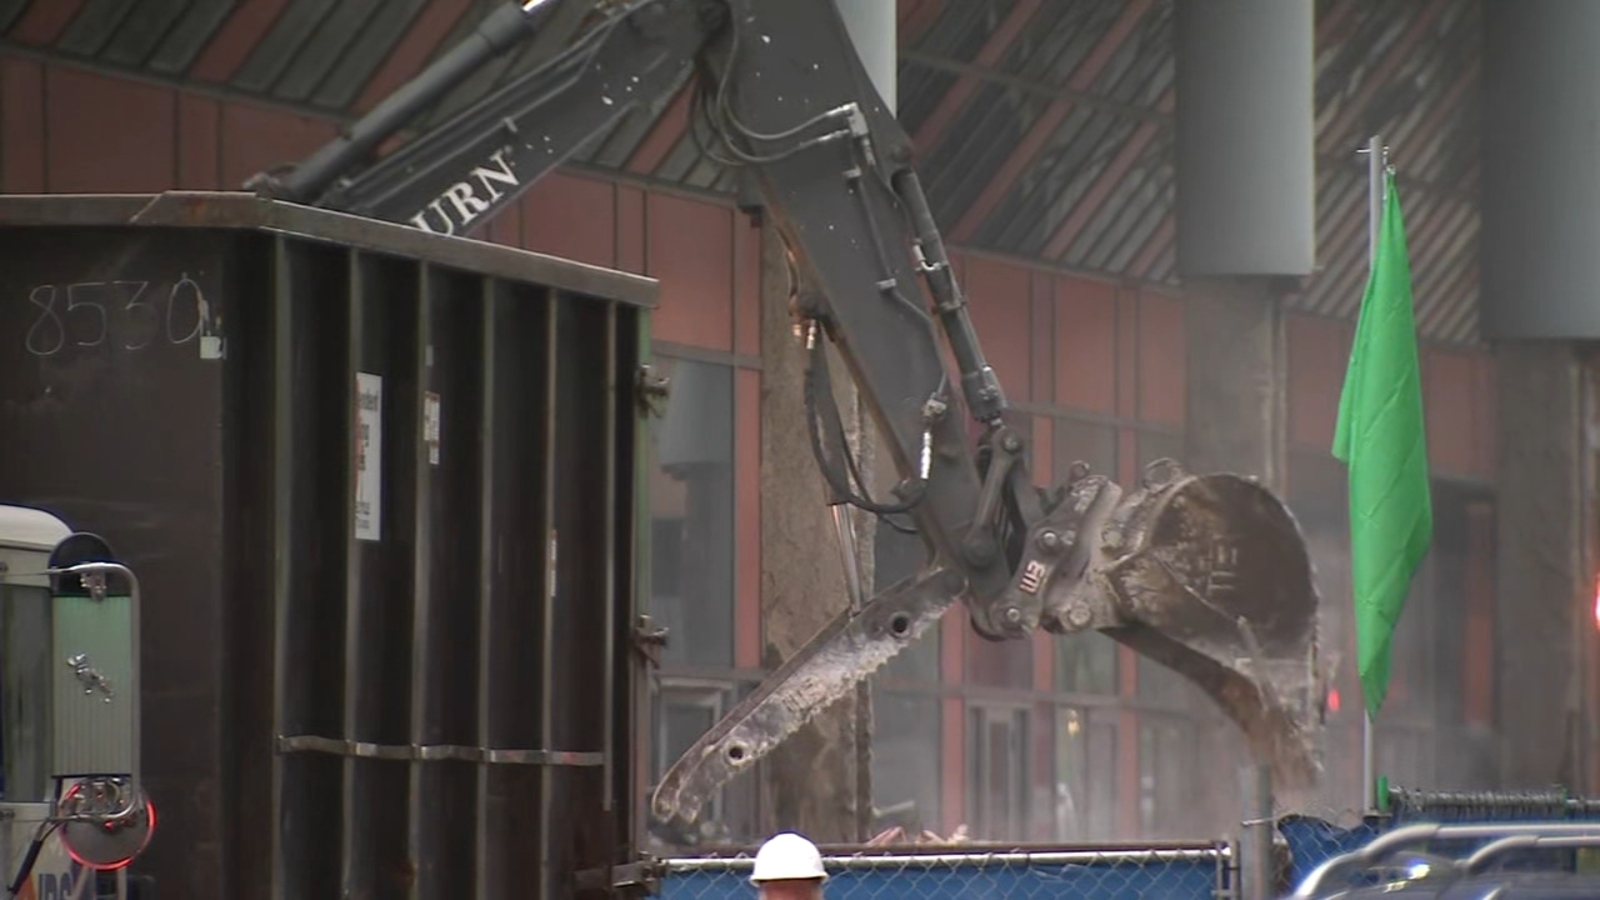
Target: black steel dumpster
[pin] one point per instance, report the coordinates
(381, 488)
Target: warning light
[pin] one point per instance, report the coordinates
(1333, 700)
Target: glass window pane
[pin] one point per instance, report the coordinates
(1102, 777)
(905, 760)
(1086, 663)
(691, 498)
(1154, 445)
(682, 714)
(1090, 442)
(1168, 796)
(998, 763)
(25, 692)
(1072, 776)
(1161, 685)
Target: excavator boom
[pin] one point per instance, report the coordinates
(1206, 574)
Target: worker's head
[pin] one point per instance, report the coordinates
(788, 867)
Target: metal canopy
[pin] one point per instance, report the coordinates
(1045, 128)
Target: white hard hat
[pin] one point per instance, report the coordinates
(788, 857)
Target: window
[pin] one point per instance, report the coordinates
(684, 710)
(1086, 663)
(905, 760)
(1080, 440)
(692, 575)
(1085, 793)
(691, 496)
(1169, 798)
(25, 692)
(997, 772)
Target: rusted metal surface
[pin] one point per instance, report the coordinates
(240, 210)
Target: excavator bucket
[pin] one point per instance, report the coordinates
(1209, 576)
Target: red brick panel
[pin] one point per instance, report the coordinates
(255, 138)
(1042, 375)
(630, 229)
(1319, 352)
(22, 155)
(199, 143)
(505, 227)
(1486, 427)
(746, 286)
(1042, 461)
(572, 217)
(689, 247)
(108, 134)
(747, 519)
(663, 135)
(1000, 301)
(1478, 662)
(1162, 359)
(953, 762)
(1448, 399)
(1127, 344)
(1085, 347)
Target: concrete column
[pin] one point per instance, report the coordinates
(1544, 593)
(1246, 219)
(1237, 377)
(873, 29)
(1246, 231)
(812, 783)
(1541, 219)
(819, 782)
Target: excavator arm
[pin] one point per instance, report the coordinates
(1207, 574)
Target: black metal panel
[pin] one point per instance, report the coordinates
(138, 33)
(94, 25)
(294, 662)
(10, 11)
(182, 45)
(330, 44)
(284, 44)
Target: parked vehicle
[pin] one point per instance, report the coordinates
(1456, 862)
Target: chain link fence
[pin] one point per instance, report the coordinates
(1190, 872)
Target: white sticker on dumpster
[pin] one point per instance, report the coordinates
(369, 456)
(430, 425)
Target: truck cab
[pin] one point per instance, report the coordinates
(68, 712)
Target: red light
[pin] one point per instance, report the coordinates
(1333, 700)
(1597, 602)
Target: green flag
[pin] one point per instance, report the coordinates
(1382, 437)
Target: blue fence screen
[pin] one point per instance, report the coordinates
(1198, 875)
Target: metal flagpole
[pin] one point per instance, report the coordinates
(1377, 164)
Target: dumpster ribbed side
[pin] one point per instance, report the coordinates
(385, 511)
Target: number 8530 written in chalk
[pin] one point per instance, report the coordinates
(126, 314)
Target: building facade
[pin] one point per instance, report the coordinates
(1047, 739)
